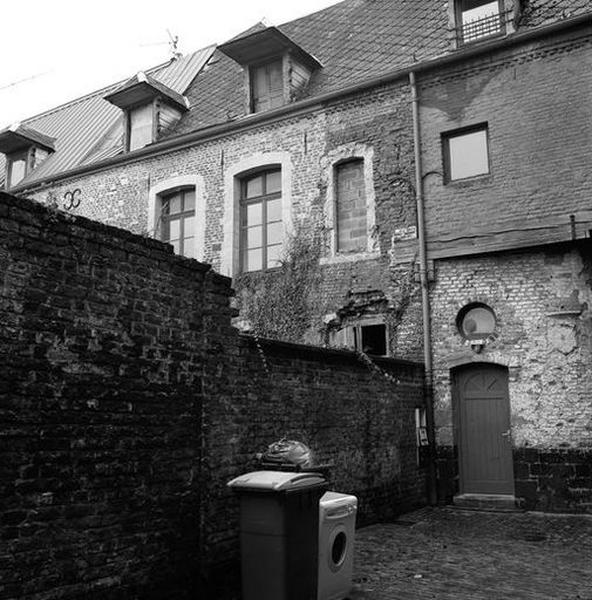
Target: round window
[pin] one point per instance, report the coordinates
(476, 321)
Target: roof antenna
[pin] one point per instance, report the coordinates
(173, 46)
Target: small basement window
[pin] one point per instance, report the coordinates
(369, 336)
(370, 339)
(466, 153)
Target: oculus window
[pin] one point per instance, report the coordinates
(466, 153)
(476, 322)
(262, 230)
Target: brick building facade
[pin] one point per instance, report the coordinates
(503, 136)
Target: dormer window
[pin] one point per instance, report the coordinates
(277, 70)
(267, 86)
(140, 126)
(150, 109)
(25, 149)
(478, 19)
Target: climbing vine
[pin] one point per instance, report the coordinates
(279, 303)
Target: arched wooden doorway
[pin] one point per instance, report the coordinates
(482, 414)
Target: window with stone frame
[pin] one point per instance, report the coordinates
(262, 229)
(177, 226)
(478, 19)
(351, 218)
(267, 86)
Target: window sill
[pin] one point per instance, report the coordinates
(467, 181)
(348, 258)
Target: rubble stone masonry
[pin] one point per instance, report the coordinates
(543, 335)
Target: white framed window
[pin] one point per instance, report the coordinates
(257, 212)
(350, 219)
(176, 214)
(466, 152)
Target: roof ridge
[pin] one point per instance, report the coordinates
(103, 90)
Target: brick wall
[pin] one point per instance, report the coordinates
(534, 99)
(351, 207)
(128, 402)
(541, 300)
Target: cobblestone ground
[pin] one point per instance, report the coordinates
(447, 554)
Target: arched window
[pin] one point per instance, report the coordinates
(176, 214)
(177, 225)
(262, 231)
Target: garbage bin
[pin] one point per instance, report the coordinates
(337, 528)
(279, 529)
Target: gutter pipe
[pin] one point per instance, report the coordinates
(425, 298)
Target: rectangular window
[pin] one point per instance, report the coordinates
(140, 126)
(18, 169)
(267, 86)
(178, 221)
(477, 19)
(466, 153)
(262, 230)
(351, 220)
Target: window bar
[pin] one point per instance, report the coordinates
(484, 27)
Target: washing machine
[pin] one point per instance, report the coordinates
(337, 528)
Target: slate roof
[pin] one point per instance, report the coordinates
(354, 40)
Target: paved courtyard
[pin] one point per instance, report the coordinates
(445, 553)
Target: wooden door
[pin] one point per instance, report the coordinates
(485, 444)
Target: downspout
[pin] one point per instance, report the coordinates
(425, 298)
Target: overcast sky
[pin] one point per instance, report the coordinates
(54, 51)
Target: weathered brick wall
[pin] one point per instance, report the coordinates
(379, 120)
(128, 401)
(542, 301)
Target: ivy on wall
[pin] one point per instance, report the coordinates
(280, 303)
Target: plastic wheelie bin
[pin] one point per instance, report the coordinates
(279, 534)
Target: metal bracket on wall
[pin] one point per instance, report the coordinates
(431, 273)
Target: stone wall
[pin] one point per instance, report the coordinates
(542, 301)
(375, 126)
(128, 401)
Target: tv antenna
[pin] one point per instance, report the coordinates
(173, 43)
(24, 80)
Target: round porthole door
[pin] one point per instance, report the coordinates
(338, 548)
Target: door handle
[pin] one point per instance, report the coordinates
(506, 433)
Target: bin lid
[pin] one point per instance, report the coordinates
(276, 480)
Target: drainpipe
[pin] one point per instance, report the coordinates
(425, 298)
